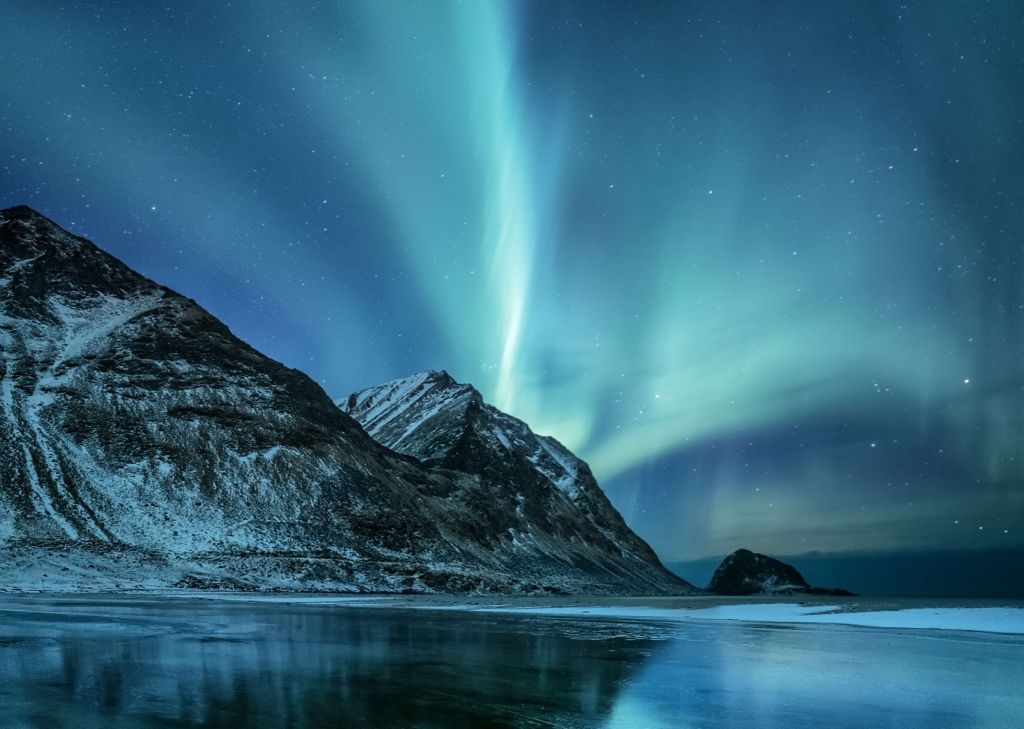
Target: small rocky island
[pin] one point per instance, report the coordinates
(747, 573)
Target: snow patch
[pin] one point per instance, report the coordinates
(564, 481)
(985, 620)
(392, 400)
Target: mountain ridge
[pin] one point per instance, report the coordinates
(445, 423)
(145, 446)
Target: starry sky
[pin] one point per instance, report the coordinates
(761, 264)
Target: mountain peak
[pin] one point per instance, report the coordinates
(46, 266)
(37, 228)
(19, 212)
(433, 418)
(439, 377)
(444, 423)
(50, 235)
(394, 411)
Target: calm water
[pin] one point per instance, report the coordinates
(148, 662)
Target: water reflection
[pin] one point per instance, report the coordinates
(95, 662)
(224, 665)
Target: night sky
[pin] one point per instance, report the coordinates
(762, 267)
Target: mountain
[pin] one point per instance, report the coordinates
(747, 573)
(144, 445)
(537, 495)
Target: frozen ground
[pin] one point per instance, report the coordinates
(978, 619)
(986, 616)
(90, 661)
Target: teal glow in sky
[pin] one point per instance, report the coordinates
(760, 266)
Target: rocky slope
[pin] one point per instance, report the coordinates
(143, 445)
(747, 573)
(537, 494)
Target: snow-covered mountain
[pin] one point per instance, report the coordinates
(542, 497)
(143, 445)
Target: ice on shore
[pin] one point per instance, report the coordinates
(980, 619)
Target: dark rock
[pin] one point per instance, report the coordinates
(747, 573)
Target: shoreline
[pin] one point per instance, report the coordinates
(977, 615)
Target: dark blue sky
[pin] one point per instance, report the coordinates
(759, 263)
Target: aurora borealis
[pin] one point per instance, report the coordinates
(762, 265)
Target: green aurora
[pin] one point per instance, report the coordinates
(760, 266)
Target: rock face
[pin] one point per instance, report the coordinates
(536, 496)
(143, 445)
(747, 573)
